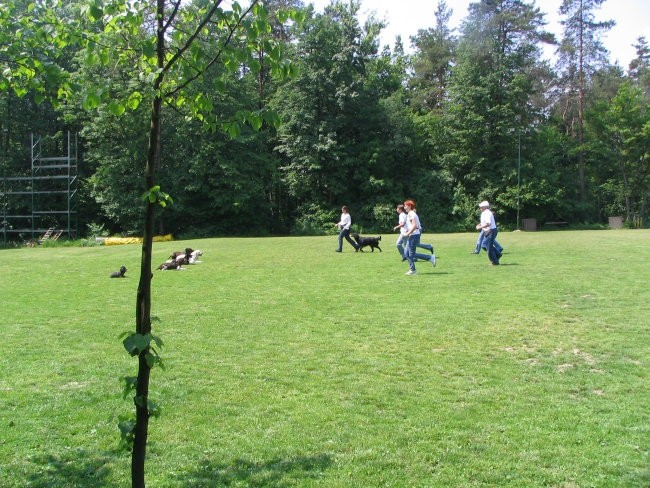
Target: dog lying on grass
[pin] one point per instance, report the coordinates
(120, 273)
(195, 255)
(190, 257)
(184, 254)
(362, 242)
(172, 264)
(179, 258)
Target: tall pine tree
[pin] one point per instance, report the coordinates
(580, 54)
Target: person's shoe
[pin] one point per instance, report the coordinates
(499, 255)
(431, 249)
(411, 272)
(494, 264)
(433, 260)
(474, 252)
(338, 250)
(403, 259)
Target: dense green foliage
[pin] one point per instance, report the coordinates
(127, 53)
(469, 115)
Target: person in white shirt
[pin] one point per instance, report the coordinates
(402, 225)
(489, 227)
(344, 224)
(413, 234)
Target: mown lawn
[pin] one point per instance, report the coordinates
(291, 365)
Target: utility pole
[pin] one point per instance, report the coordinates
(518, 170)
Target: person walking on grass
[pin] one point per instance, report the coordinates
(481, 244)
(413, 234)
(428, 247)
(344, 224)
(489, 227)
(402, 225)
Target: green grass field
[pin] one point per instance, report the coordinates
(291, 365)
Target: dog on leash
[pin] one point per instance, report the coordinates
(120, 273)
(362, 242)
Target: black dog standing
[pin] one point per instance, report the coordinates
(362, 242)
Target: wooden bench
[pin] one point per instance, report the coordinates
(557, 224)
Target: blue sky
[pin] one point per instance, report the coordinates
(405, 17)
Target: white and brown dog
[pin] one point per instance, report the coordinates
(194, 256)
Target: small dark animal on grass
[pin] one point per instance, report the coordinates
(362, 242)
(120, 273)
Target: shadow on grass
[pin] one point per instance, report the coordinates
(273, 473)
(78, 468)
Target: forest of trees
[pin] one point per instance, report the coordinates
(473, 113)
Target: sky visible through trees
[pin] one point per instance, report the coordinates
(632, 19)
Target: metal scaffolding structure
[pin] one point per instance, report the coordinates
(45, 200)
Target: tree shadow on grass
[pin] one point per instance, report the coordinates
(273, 473)
(78, 468)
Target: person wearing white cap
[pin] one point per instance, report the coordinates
(489, 227)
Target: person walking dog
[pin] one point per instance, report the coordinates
(344, 224)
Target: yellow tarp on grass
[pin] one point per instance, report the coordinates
(116, 241)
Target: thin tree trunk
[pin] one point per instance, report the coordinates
(581, 134)
(143, 302)
(143, 310)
